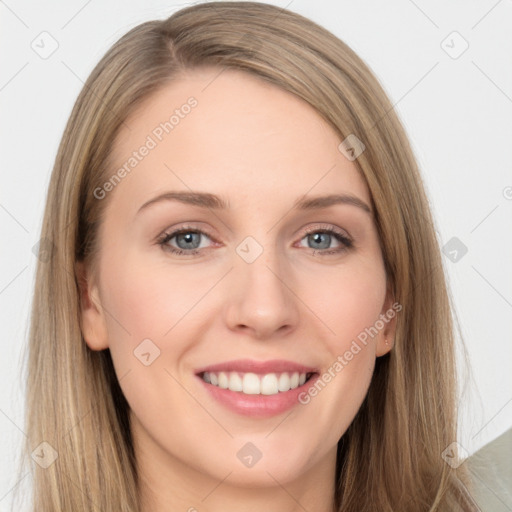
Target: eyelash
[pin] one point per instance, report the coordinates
(165, 237)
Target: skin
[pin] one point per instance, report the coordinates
(261, 149)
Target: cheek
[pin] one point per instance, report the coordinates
(152, 325)
(149, 300)
(144, 302)
(333, 400)
(348, 301)
(349, 304)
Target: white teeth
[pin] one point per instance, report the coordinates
(253, 384)
(235, 382)
(269, 384)
(223, 380)
(284, 382)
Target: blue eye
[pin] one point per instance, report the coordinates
(187, 241)
(321, 238)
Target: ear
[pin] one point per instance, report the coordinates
(93, 325)
(388, 316)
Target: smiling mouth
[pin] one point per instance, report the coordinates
(257, 384)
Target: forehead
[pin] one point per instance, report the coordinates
(231, 133)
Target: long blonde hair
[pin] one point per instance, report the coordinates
(390, 458)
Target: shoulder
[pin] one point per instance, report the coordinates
(491, 474)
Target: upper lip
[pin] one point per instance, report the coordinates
(262, 367)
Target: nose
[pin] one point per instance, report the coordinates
(261, 301)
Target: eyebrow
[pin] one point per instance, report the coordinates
(214, 202)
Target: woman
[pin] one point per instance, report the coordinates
(243, 305)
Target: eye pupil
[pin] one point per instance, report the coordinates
(317, 237)
(189, 240)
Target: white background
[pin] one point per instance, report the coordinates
(457, 112)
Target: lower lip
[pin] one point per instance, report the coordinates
(261, 406)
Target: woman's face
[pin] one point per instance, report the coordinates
(259, 292)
